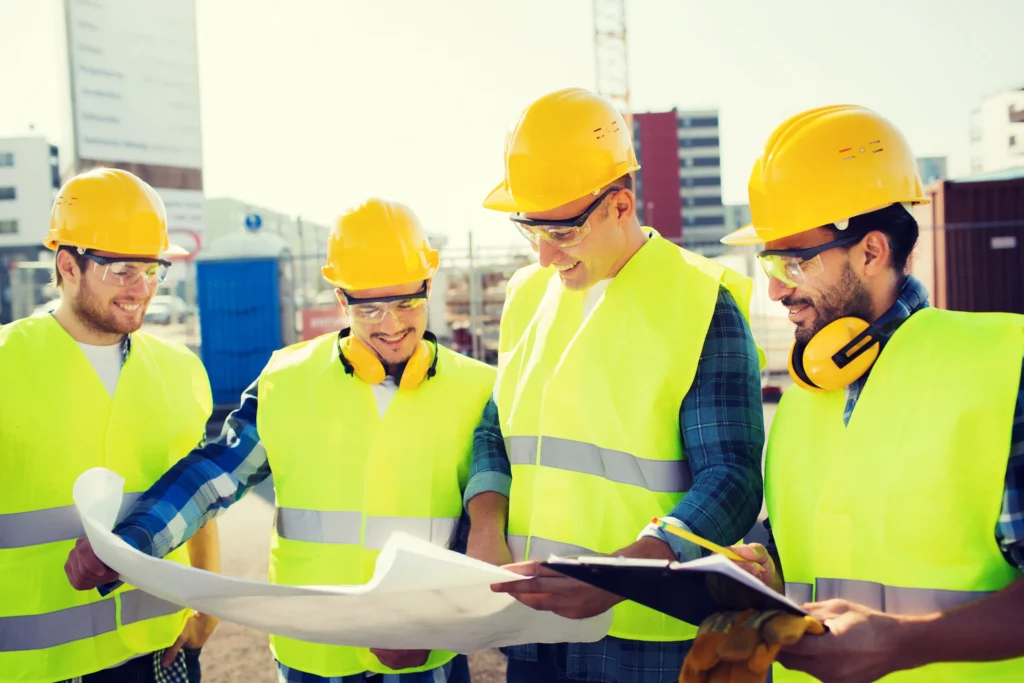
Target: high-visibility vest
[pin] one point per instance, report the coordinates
(589, 407)
(57, 420)
(898, 509)
(346, 478)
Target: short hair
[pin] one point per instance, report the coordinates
(56, 279)
(625, 181)
(895, 222)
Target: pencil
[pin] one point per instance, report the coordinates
(694, 538)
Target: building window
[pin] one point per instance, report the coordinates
(8, 227)
(1013, 141)
(702, 201)
(698, 161)
(698, 142)
(704, 221)
(702, 182)
(8, 193)
(6, 158)
(698, 122)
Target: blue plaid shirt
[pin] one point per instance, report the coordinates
(204, 484)
(1009, 531)
(721, 424)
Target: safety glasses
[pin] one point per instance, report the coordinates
(793, 267)
(566, 232)
(125, 272)
(374, 310)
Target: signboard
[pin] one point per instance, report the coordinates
(318, 321)
(134, 79)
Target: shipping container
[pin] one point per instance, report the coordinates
(970, 253)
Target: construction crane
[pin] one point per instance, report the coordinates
(611, 64)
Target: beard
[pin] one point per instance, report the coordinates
(850, 297)
(104, 317)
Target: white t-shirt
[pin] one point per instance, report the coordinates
(106, 361)
(384, 392)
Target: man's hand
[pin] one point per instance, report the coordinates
(195, 634)
(761, 565)
(863, 645)
(401, 659)
(84, 569)
(553, 592)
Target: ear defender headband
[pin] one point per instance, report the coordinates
(845, 349)
(360, 360)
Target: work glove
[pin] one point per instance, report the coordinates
(740, 647)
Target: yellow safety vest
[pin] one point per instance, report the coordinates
(346, 478)
(58, 420)
(898, 509)
(589, 408)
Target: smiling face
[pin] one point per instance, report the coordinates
(389, 320)
(600, 253)
(832, 288)
(108, 298)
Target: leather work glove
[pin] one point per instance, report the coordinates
(740, 647)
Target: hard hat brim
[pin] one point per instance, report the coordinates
(745, 236)
(500, 200)
(175, 250)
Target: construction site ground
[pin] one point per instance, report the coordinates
(236, 654)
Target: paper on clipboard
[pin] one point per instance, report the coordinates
(689, 591)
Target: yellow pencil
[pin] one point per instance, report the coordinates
(694, 538)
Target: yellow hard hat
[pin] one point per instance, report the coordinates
(824, 166)
(378, 244)
(564, 146)
(109, 209)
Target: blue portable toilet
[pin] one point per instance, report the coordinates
(246, 309)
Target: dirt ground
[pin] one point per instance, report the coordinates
(236, 654)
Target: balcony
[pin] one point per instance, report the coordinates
(1016, 115)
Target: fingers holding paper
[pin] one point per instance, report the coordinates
(759, 564)
(84, 570)
(547, 590)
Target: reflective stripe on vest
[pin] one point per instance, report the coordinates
(920, 465)
(882, 598)
(542, 548)
(347, 477)
(24, 529)
(662, 476)
(40, 631)
(318, 526)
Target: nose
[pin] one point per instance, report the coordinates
(390, 324)
(547, 253)
(778, 290)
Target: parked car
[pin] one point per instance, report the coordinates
(165, 309)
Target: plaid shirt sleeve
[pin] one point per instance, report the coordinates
(721, 422)
(199, 486)
(1010, 527)
(490, 469)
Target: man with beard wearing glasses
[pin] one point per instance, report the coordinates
(895, 464)
(83, 388)
(367, 431)
(628, 388)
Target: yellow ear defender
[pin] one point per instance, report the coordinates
(844, 350)
(360, 360)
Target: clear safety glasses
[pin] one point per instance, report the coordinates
(374, 310)
(125, 272)
(793, 267)
(566, 232)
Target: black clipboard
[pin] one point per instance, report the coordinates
(689, 591)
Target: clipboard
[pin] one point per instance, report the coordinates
(689, 591)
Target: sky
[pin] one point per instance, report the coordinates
(310, 106)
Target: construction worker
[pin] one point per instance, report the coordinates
(366, 431)
(894, 475)
(628, 387)
(84, 388)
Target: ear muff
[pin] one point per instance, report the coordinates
(837, 356)
(360, 360)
